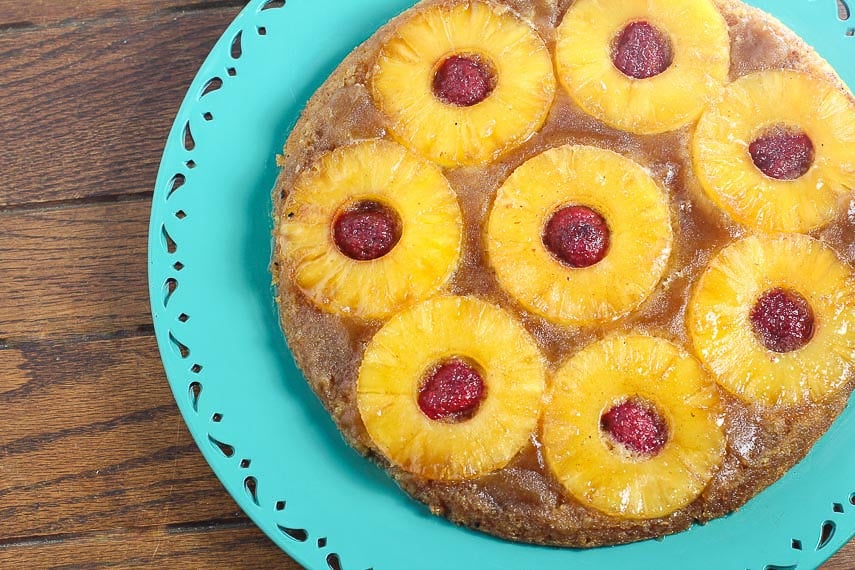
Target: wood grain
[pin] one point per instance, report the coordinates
(92, 440)
(86, 108)
(843, 560)
(74, 270)
(41, 13)
(235, 546)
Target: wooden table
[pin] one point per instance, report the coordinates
(96, 465)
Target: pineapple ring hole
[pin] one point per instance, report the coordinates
(452, 390)
(464, 80)
(783, 153)
(783, 320)
(366, 230)
(577, 236)
(637, 426)
(641, 50)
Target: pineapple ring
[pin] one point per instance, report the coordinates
(719, 323)
(413, 342)
(634, 207)
(753, 104)
(451, 136)
(700, 44)
(419, 265)
(609, 480)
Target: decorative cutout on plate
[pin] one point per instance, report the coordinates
(213, 84)
(195, 390)
(177, 182)
(179, 347)
(189, 141)
(225, 448)
(250, 484)
(828, 528)
(796, 544)
(333, 561)
(272, 4)
(169, 287)
(237, 48)
(168, 243)
(298, 534)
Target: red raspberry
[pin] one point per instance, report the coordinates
(641, 51)
(636, 426)
(783, 320)
(782, 154)
(452, 392)
(462, 81)
(366, 231)
(578, 236)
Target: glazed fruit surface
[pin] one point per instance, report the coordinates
(522, 499)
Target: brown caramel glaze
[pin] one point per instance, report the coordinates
(523, 501)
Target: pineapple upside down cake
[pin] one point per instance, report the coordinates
(575, 272)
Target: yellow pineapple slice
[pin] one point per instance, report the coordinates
(773, 317)
(370, 229)
(580, 235)
(462, 82)
(633, 427)
(451, 388)
(777, 152)
(643, 66)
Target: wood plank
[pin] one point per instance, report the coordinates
(92, 440)
(843, 560)
(39, 13)
(89, 274)
(86, 108)
(235, 547)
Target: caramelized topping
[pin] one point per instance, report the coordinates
(578, 236)
(641, 51)
(366, 231)
(783, 320)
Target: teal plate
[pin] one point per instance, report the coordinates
(255, 420)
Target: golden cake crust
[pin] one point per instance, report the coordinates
(523, 501)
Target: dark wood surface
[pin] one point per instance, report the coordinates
(96, 466)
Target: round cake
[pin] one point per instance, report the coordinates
(574, 273)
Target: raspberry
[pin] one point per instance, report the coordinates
(641, 51)
(636, 426)
(783, 154)
(452, 392)
(578, 236)
(366, 231)
(783, 320)
(463, 81)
